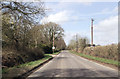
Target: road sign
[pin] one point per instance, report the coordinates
(53, 47)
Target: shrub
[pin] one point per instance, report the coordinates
(11, 57)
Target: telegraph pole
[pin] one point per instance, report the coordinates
(92, 32)
(76, 43)
(53, 42)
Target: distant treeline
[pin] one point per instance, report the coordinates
(78, 43)
(108, 51)
(23, 38)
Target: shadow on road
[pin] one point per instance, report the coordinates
(72, 73)
(59, 58)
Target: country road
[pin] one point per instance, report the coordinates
(67, 64)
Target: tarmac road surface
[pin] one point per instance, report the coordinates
(67, 64)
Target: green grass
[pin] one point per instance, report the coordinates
(28, 65)
(35, 63)
(103, 60)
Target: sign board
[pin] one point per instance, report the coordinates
(53, 47)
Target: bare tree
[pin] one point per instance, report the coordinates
(18, 18)
(82, 43)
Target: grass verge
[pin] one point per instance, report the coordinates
(103, 60)
(20, 69)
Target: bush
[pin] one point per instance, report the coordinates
(36, 53)
(11, 57)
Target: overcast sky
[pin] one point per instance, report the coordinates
(75, 18)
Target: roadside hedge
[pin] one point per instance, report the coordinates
(108, 51)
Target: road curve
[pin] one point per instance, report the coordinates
(67, 64)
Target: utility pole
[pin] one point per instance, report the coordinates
(53, 42)
(76, 43)
(92, 32)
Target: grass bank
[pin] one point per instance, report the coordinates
(102, 60)
(20, 69)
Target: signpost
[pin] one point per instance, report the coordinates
(53, 47)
